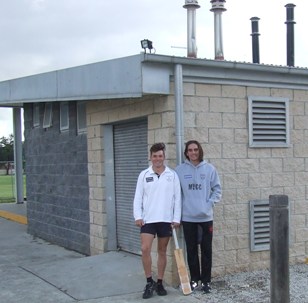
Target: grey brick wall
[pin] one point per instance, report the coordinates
(57, 181)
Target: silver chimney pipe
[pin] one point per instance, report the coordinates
(218, 8)
(191, 6)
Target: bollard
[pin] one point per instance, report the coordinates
(279, 248)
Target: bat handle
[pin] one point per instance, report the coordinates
(175, 238)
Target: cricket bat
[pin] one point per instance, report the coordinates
(180, 262)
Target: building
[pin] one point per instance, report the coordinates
(88, 130)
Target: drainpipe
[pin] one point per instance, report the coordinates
(179, 112)
(191, 6)
(255, 39)
(19, 189)
(290, 34)
(218, 8)
(179, 126)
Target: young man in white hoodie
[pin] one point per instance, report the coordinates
(157, 209)
(201, 189)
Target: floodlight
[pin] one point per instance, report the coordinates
(145, 43)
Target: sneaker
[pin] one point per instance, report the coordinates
(206, 288)
(161, 290)
(193, 285)
(148, 290)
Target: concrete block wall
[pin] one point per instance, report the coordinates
(160, 113)
(57, 181)
(217, 116)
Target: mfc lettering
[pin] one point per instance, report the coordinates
(194, 187)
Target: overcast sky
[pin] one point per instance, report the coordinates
(45, 35)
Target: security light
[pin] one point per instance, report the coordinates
(145, 43)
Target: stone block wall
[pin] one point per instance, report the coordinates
(161, 129)
(160, 113)
(217, 116)
(57, 181)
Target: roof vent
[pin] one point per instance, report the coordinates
(290, 33)
(255, 39)
(191, 6)
(218, 7)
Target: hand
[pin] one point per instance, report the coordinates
(139, 222)
(175, 225)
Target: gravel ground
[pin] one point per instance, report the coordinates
(254, 287)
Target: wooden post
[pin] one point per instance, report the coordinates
(279, 248)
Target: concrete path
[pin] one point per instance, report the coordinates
(35, 271)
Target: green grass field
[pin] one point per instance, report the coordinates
(7, 188)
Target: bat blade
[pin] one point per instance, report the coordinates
(182, 270)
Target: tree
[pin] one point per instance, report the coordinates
(7, 151)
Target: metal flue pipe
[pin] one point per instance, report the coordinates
(218, 8)
(191, 6)
(255, 39)
(290, 33)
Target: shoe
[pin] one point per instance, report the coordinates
(161, 290)
(206, 288)
(148, 290)
(193, 285)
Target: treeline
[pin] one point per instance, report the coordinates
(7, 148)
(7, 153)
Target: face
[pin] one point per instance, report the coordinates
(157, 159)
(193, 152)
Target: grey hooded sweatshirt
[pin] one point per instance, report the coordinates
(201, 189)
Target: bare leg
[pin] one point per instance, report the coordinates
(146, 246)
(162, 244)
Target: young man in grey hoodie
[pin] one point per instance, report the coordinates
(201, 189)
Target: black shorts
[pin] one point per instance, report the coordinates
(161, 229)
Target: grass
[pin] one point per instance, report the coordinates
(7, 188)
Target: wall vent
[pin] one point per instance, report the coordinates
(47, 121)
(259, 225)
(64, 116)
(36, 114)
(268, 122)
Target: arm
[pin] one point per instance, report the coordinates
(215, 195)
(138, 208)
(177, 211)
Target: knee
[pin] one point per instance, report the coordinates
(145, 249)
(162, 252)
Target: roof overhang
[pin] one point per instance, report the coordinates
(142, 74)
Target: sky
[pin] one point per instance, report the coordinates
(45, 35)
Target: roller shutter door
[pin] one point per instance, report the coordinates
(130, 157)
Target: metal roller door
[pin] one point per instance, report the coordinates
(130, 158)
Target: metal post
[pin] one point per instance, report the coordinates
(179, 124)
(279, 244)
(18, 156)
(178, 93)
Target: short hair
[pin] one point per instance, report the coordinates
(199, 147)
(157, 147)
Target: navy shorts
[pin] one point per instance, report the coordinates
(161, 229)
